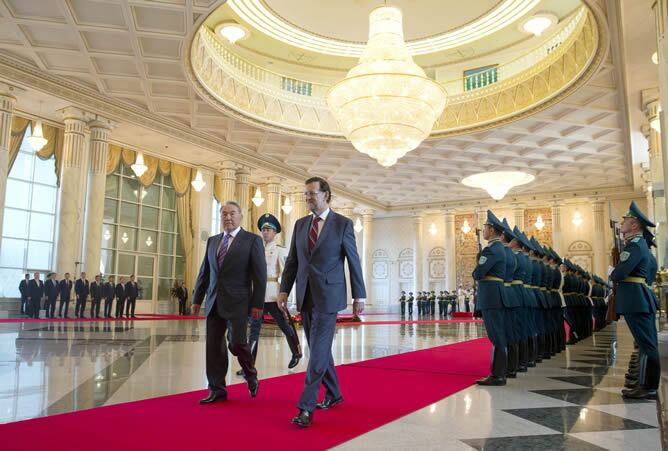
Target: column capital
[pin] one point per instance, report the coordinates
(367, 212)
(244, 170)
(652, 109)
(101, 122)
(72, 113)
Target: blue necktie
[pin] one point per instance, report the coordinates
(223, 250)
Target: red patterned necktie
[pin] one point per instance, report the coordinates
(313, 233)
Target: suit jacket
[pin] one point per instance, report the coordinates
(322, 270)
(120, 292)
(96, 290)
(51, 290)
(35, 290)
(108, 291)
(65, 287)
(131, 290)
(23, 289)
(240, 284)
(82, 288)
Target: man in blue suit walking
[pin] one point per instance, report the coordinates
(233, 276)
(320, 244)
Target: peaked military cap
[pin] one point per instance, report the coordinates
(557, 257)
(536, 247)
(269, 220)
(649, 238)
(507, 230)
(634, 212)
(493, 221)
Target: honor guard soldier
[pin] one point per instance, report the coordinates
(275, 256)
(432, 303)
(635, 302)
(442, 306)
(489, 274)
(402, 301)
(512, 303)
(521, 279)
(409, 301)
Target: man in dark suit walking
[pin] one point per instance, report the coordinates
(51, 292)
(81, 292)
(108, 293)
(120, 297)
(23, 289)
(316, 261)
(233, 276)
(35, 293)
(131, 293)
(65, 288)
(95, 297)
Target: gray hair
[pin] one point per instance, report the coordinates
(233, 203)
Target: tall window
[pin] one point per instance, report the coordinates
(28, 231)
(140, 233)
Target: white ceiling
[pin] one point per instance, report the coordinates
(132, 50)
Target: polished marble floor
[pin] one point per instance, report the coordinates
(571, 401)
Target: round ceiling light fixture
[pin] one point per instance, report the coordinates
(386, 106)
(232, 32)
(498, 183)
(538, 23)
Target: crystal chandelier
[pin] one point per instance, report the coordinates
(358, 226)
(198, 184)
(498, 183)
(577, 219)
(539, 224)
(139, 167)
(257, 198)
(36, 138)
(287, 206)
(466, 228)
(386, 106)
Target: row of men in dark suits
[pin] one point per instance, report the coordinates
(524, 293)
(35, 291)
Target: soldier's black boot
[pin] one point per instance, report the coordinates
(499, 368)
(513, 360)
(531, 349)
(524, 356)
(296, 350)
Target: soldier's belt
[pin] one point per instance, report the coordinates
(570, 293)
(635, 280)
(530, 286)
(492, 279)
(272, 279)
(506, 284)
(517, 282)
(554, 290)
(542, 288)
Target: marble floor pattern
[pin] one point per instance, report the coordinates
(571, 401)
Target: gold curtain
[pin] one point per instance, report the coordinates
(113, 158)
(165, 167)
(128, 157)
(148, 177)
(180, 178)
(183, 214)
(54, 147)
(218, 189)
(19, 126)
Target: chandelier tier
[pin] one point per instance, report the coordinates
(498, 183)
(386, 106)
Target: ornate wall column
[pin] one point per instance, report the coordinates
(557, 234)
(7, 102)
(272, 203)
(200, 204)
(600, 254)
(299, 209)
(658, 167)
(242, 196)
(450, 255)
(418, 257)
(97, 178)
(72, 192)
(367, 253)
(226, 181)
(518, 217)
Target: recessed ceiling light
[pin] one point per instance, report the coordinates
(231, 31)
(538, 23)
(655, 58)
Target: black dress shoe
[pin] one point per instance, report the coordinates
(240, 373)
(531, 365)
(329, 403)
(253, 386)
(492, 381)
(214, 396)
(303, 419)
(522, 369)
(639, 393)
(294, 361)
(511, 375)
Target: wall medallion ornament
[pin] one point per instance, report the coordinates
(406, 269)
(380, 270)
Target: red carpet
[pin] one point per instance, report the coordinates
(376, 392)
(417, 321)
(140, 317)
